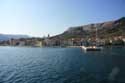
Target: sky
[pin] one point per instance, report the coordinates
(42, 17)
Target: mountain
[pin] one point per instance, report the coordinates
(104, 30)
(9, 36)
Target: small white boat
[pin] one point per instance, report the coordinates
(91, 48)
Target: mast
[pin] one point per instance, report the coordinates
(96, 36)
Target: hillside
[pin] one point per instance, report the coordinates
(104, 30)
(8, 36)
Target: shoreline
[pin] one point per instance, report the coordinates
(60, 46)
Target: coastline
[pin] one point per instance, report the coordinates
(111, 46)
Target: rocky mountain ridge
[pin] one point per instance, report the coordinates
(104, 30)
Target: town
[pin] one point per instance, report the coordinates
(51, 41)
(109, 33)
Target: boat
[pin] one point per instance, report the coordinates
(92, 47)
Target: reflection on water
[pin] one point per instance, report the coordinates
(61, 65)
(114, 73)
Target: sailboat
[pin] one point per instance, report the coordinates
(92, 48)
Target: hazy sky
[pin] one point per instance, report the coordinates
(42, 17)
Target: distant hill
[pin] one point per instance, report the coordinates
(9, 36)
(104, 30)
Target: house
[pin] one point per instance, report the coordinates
(38, 44)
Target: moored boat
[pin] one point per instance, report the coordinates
(91, 48)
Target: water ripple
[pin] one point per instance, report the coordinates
(59, 65)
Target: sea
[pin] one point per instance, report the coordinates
(61, 65)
